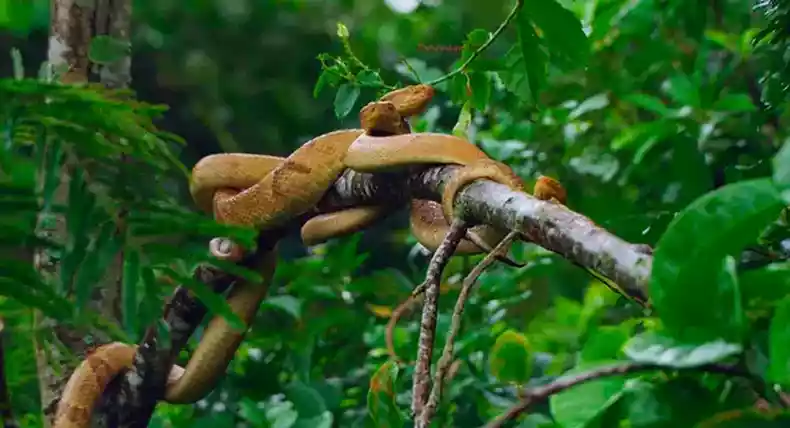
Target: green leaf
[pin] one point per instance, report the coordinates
(345, 98)
(677, 402)
(654, 348)
(562, 31)
(367, 77)
(684, 91)
(734, 103)
(533, 60)
(648, 102)
(762, 288)
(691, 286)
(461, 128)
(480, 84)
(107, 49)
(104, 249)
(605, 343)
(287, 304)
(781, 170)
(382, 407)
(510, 359)
(586, 402)
(473, 41)
(779, 333)
(307, 401)
(595, 102)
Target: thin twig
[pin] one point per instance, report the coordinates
(447, 353)
(519, 4)
(389, 333)
(540, 393)
(433, 276)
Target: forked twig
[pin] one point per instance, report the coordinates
(447, 353)
(433, 276)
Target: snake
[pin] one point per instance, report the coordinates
(265, 192)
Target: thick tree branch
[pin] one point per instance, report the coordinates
(552, 226)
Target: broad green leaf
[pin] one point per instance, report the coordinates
(584, 403)
(655, 348)
(762, 288)
(605, 343)
(692, 286)
(644, 134)
(683, 91)
(527, 56)
(562, 31)
(107, 49)
(674, 403)
(779, 369)
(345, 98)
(510, 359)
(474, 39)
(288, 304)
(307, 401)
(781, 170)
(734, 103)
(328, 77)
(369, 78)
(480, 84)
(382, 407)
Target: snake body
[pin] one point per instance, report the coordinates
(264, 191)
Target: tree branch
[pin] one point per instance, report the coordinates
(552, 226)
(540, 393)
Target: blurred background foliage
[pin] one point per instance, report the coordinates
(670, 100)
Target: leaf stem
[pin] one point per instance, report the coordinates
(516, 8)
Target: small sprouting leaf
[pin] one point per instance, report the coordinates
(345, 98)
(779, 366)
(510, 359)
(107, 49)
(562, 31)
(342, 30)
(654, 348)
(734, 103)
(692, 286)
(382, 407)
(461, 128)
(587, 401)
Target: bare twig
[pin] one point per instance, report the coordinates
(447, 353)
(389, 334)
(422, 369)
(540, 393)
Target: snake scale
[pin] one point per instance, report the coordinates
(264, 192)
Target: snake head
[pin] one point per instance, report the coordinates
(380, 118)
(411, 100)
(547, 189)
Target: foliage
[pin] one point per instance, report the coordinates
(665, 121)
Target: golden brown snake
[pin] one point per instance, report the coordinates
(266, 191)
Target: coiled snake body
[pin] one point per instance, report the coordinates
(266, 191)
